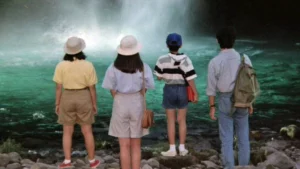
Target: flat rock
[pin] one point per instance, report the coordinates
(42, 166)
(4, 160)
(146, 166)
(177, 162)
(214, 159)
(79, 161)
(268, 150)
(143, 162)
(210, 165)
(13, 166)
(153, 163)
(109, 159)
(245, 167)
(113, 165)
(27, 161)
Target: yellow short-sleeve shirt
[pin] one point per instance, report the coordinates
(78, 74)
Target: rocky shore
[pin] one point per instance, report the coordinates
(273, 154)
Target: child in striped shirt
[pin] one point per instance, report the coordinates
(176, 69)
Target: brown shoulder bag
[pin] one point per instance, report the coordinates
(148, 117)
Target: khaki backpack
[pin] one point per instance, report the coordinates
(246, 86)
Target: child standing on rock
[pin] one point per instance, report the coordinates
(176, 69)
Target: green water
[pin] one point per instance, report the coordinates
(27, 92)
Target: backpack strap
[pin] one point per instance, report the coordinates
(243, 60)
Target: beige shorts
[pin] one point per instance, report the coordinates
(126, 120)
(76, 107)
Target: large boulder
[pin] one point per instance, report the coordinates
(279, 160)
(14, 157)
(278, 144)
(4, 160)
(258, 156)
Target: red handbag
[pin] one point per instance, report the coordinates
(190, 94)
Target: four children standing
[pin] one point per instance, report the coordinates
(124, 79)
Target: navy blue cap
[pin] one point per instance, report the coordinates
(174, 39)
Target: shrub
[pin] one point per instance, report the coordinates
(9, 146)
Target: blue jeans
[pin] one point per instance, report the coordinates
(227, 124)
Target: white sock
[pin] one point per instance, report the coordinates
(92, 161)
(172, 147)
(181, 147)
(67, 161)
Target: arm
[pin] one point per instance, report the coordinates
(113, 93)
(58, 93)
(58, 79)
(93, 95)
(211, 89)
(190, 74)
(109, 81)
(158, 70)
(193, 86)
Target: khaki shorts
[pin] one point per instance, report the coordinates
(76, 107)
(127, 115)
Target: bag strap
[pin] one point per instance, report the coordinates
(243, 58)
(144, 89)
(180, 70)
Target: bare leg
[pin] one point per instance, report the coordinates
(87, 132)
(67, 140)
(125, 152)
(181, 119)
(135, 153)
(171, 125)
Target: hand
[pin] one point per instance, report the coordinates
(212, 113)
(95, 109)
(57, 109)
(196, 98)
(250, 109)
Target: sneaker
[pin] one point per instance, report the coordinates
(169, 153)
(184, 152)
(65, 165)
(95, 164)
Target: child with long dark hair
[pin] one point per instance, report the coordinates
(124, 80)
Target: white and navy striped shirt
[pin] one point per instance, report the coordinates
(171, 68)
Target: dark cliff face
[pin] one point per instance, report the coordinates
(256, 16)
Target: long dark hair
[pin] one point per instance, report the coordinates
(79, 56)
(129, 64)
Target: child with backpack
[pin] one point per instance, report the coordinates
(233, 78)
(177, 71)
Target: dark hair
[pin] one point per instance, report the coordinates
(173, 48)
(79, 56)
(129, 64)
(226, 37)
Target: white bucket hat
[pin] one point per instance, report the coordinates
(129, 46)
(74, 45)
